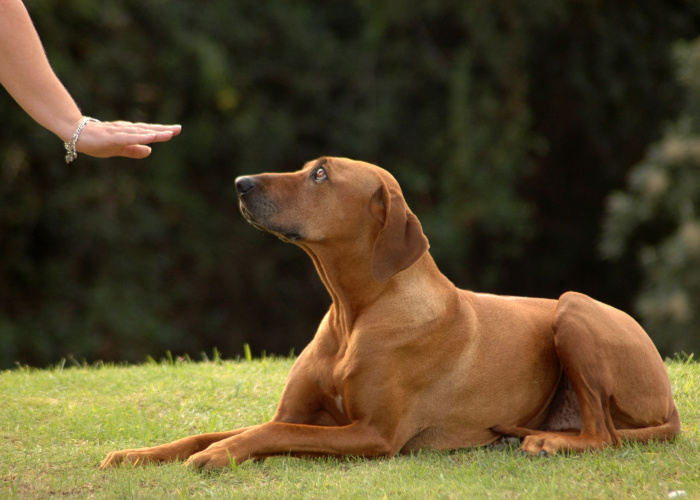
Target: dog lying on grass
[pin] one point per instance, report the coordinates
(403, 360)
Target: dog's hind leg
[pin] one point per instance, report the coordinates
(619, 379)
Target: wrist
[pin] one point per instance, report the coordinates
(65, 129)
(70, 145)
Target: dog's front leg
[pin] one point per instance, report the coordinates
(170, 452)
(277, 438)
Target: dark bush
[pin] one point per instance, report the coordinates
(655, 222)
(507, 123)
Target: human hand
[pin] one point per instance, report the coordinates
(107, 139)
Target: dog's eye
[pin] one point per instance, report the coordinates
(319, 174)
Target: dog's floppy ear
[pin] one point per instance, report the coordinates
(401, 241)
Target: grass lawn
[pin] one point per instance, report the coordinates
(58, 424)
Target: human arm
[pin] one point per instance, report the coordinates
(27, 75)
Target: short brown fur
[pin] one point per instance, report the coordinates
(403, 360)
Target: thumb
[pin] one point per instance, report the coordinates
(136, 152)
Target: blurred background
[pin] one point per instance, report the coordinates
(546, 147)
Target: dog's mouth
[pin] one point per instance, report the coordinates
(248, 215)
(289, 236)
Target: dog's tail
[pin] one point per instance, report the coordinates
(664, 432)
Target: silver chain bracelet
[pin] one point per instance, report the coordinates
(71, 153)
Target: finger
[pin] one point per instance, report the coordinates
(122, 126)
(160, 137)
(154, 127)
(143, 128)
(141, 138)
(136, 152)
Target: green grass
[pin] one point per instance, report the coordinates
(58, 424)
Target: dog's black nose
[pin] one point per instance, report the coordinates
(244, 185)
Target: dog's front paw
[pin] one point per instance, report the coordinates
(133, 457)
(211, 459)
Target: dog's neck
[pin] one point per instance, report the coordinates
(348, 280)
(353, 289)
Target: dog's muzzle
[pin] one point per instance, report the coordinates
(245, 187)
(258, 209)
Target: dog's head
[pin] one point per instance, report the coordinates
(337, 203)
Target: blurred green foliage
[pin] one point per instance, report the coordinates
(507, 124)
(655, 221)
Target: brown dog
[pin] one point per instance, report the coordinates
(404, 360)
